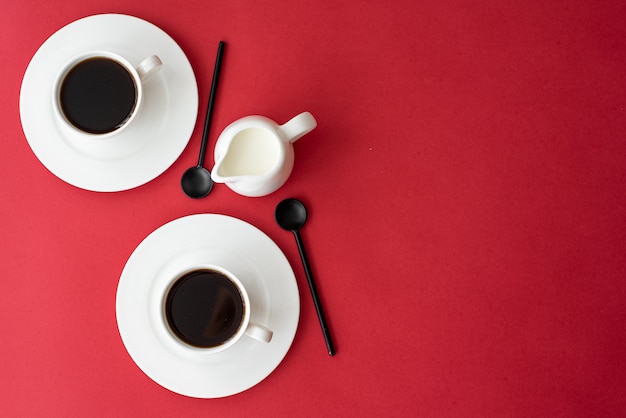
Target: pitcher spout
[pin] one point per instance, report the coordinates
(252, 152)
(225, 172)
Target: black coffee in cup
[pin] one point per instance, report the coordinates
(98, 95)
(204, 308)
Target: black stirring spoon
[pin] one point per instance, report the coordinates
(196, 181)
(290, 215)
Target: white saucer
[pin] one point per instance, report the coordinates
(186, 243)
(145, 149)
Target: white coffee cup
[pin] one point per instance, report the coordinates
(99, 93)
(199, 310)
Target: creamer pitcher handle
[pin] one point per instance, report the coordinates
(298, 126)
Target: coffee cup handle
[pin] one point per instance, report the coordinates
(149, 67)
(259, 332)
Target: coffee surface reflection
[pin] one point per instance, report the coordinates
(204, 308)
(98, 95)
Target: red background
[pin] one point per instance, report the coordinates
(466, 190)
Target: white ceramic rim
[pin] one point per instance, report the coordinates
(243, 326)
(73, 62)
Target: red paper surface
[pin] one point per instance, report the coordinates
(466, 191)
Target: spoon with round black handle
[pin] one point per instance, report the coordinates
(291, 215)
(196, 181)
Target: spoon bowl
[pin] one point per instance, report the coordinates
(291, 214)
(196, 182)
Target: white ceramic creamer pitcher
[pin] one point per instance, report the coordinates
(254, 155)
